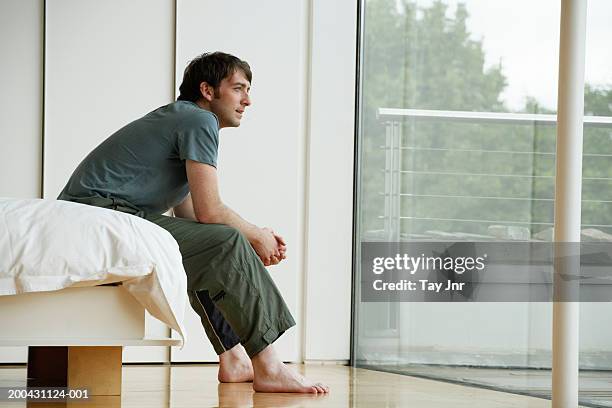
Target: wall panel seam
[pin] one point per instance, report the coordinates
(43, 98)
(306, 180)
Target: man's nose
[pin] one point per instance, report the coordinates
(246, 101)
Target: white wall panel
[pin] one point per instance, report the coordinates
(330, 180)
(107, 63)
(197, 348)
(261, 167)
(21, 66)
(21, 97)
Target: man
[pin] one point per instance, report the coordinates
(167, 159)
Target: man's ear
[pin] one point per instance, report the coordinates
(207, 91)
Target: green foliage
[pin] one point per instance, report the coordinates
(424, 58)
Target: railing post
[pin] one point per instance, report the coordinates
(388, 179)
(392, 180)
(397, 167)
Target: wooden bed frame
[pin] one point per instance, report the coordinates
(75, 336)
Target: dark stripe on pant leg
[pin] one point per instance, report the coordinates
(220, 325)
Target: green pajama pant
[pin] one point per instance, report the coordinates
(228, 285)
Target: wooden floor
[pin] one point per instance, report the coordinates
(197, 386)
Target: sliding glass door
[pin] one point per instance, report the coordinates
(457, 138)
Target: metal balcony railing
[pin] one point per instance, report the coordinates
(395, 172)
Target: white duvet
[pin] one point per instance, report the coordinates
(50, 244)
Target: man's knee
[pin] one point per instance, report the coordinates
(226, 232)
(231, 234)
(234, 238)
(239, 243)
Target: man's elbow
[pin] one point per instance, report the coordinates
(180, 212)
(207, 219)
(210, 216)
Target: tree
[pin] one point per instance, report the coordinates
(423, 58)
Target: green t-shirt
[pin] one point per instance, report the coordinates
(144, 162)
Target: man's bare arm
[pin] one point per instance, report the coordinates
(185, 210)
(204, 205)
(206, 202)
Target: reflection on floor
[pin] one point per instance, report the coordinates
(153, 386)
(595, 386)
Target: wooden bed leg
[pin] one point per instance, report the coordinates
(96, 368)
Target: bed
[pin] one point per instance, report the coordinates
(75, 282)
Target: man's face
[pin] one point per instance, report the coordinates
(231, 99)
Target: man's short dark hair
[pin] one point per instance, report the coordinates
(212, 68)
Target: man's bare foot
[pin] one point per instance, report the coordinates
(283, 379)
(272, 375)
(235, 366)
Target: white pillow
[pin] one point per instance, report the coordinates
(52, 244)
